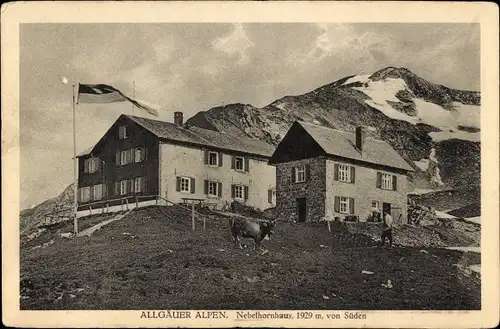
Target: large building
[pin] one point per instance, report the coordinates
(322, 172)
(143, 159)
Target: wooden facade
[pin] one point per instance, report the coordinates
(109, 170)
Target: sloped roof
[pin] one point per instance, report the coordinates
(202, 137)
(340, 143)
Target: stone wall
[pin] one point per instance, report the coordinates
(313, 189)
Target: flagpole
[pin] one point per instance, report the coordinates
(133, 95)
(75, 164)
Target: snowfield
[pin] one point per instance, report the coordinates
(448, 120)
(423, 164)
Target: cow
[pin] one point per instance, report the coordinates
(246, 228)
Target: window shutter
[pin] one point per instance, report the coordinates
(245, 189)
(233, 160)
(308, 172)
(192, 185)
(270, 196)
(205, 187)
(91, 188)
(118, 157)
(220, 159)
(178, 184)
(336, 205)
(132, 155)
(247, 164)
(86, 166)
(379, 180)
(120, 132)
(131, 186)
(293, 175)
(98, 164)
(79, 196)
(233, 193)
(351, 206)
(117, 188)
(394, 182)
(336, 171)
(205, 156)
(104, 190)
(219, 190)
(353, 174)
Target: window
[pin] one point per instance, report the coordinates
(344, 205)
(375, 205)
(126, 157)
(92, 165)
(85, 194)
(140, 154)
(123, 187)
(213, 158)
(122, 132)
(138, 184)
(300, 174)
(185, 184)
(239, 192)
(344, 173)
(271, 196)
(387, 181)
(98, 192)
(213, 188)
(239, 163)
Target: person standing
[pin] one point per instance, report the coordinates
(387, 228)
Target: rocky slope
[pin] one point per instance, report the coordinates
(36, 216)
(435, 128)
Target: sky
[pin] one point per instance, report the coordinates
(193, 67)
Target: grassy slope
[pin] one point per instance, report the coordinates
(166, 266)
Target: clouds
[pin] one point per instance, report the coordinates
(235, 44)
(192, 67)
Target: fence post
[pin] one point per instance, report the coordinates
(102, 209)
(136, 202)
(328, 224)
(107, 207)
(156, 200)
(122, 204)
(192, 216)
(203, 223)
(126, 201)
(90, 210)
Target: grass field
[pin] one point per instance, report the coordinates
(160, 264)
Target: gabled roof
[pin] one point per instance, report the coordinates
(170, 132)
(339, 143)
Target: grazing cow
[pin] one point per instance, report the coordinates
(246, 228)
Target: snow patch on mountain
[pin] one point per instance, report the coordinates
(445, 135)
(423, 164)
(384, 91)
(434, 168)
(448, 120)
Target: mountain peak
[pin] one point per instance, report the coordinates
(391, 72)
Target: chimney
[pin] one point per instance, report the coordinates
(178, 118)
(360, 138)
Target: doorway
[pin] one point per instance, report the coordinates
(386, 207)
(301, 209)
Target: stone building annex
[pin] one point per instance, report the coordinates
(322, 172)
